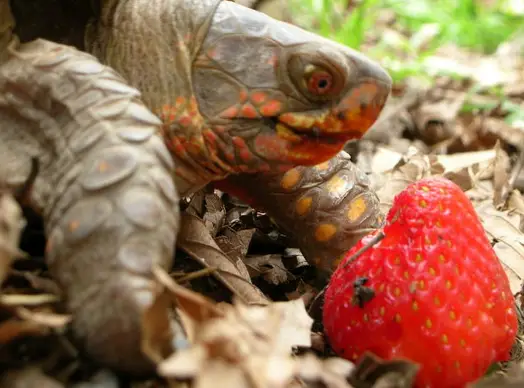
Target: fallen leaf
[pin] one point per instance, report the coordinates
(27, 300)
(28, 377)
(195, 240)
(373, 372)
(11, 225)
(503, 228)
(269, 267)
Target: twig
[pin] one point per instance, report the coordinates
(374, 241)
(22, 193)
(515, 171)
(197, 274)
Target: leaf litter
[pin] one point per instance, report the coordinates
(248, 304)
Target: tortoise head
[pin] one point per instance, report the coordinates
(276, 95)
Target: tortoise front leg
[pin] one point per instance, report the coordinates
(326, 209)
(104, 189)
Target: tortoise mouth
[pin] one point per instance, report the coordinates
(350, 119)
(309, 134)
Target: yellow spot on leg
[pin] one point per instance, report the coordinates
(357, 207)
(73, 225)
(290, 179)
(325, 232)
(303, 205)
(322, 166)
(102, 167)
(336, 185)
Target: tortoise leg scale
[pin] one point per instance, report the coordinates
(104, 189)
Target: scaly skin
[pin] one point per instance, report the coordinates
(238, 94)
(103, 188)
(326, 209)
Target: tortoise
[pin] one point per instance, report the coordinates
(147, 102)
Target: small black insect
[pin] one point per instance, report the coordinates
(362, 294)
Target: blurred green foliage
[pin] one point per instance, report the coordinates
(419, 26)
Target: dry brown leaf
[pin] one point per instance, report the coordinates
(157, 333)
(195, 240)
(512, 378)
(462, 168)
(14, 328)
(463, 160)
(412, 167)
(215, 213)
(27, 300)
(270, 267)
(330, 372)
(101, 379)
(11, 225)
(504, 228)
(373, 372)
(237, 345)
(29, 377)
(47, 319)
(435, 119)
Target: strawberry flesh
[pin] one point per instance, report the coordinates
(441, 297)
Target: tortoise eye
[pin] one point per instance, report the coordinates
(319, 82)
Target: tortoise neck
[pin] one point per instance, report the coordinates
(153, 44)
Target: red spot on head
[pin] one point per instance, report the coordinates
(177, 146)
(185, 120)
(273, 60)
(258, 98)
(271, 147)
(210, 137)
(248, 111)
(179, 101)
(242, 96)
(238, 142)
(271, 108)
(212, 53)
(229, 113)
(245, 155)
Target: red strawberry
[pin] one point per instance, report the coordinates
(441, 297)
